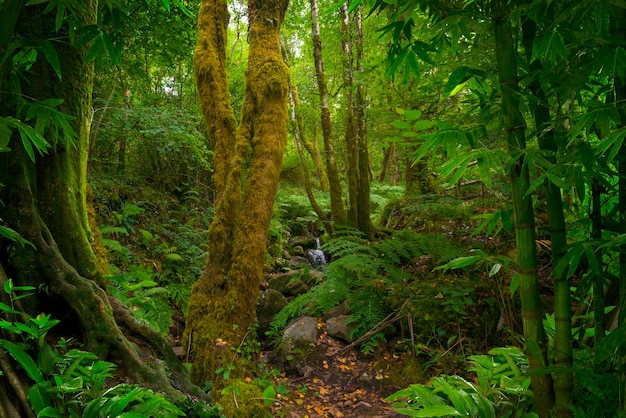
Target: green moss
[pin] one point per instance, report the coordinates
(242, 399)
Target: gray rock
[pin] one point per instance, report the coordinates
(338, 328)
(297, 261)
(296, 287)
(270, 303)
(341, 309)
(279, 282)
(302, 330)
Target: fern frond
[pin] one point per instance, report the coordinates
(354, 266)
(329, 294)
(367, 309)
(108, 230)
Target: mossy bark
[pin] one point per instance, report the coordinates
(358, 164)
(223, 301)
(338, 214)
(46, 202)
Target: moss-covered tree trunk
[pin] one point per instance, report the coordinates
(248, 159)
(364, 214)
(532, 314)
(338, 214)
(46, 202)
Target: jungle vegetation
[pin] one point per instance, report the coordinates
(454, 157)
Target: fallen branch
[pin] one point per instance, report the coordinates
(387, 321)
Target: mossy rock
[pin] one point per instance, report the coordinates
(270, 303)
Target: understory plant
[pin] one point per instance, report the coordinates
(67, 382)
(361, 273)
(500, 388)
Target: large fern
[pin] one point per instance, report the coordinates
(367, 309)
(357, 273)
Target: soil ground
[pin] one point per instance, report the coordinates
(338, 381)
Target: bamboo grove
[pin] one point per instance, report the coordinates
(556, 72)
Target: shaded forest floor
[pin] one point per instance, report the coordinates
(338, 383)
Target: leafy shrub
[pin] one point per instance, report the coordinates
(69, 382)
(361, 272)
(501, 389)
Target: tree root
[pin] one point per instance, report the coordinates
(17, 386)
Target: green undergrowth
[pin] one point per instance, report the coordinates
(379, 278)
(68, 382)
(156, 242)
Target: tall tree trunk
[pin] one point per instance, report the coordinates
(350, 137)
(563, 350)
(297, 135)
(223, 301)
(46, 202)
(532, 314)
(364, 204)
(336, 199)
(310, 145)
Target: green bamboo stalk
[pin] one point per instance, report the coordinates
(563, 350)
(598, 286)
(532, 313)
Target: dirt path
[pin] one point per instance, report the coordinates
(337, 383)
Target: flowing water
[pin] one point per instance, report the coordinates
(317, 256)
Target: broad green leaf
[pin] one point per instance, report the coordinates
(422, 125)
(45, 359)
(495, 269)
(400, 124)
(14, 236)
(413, 114)
(50, 412)
(514, 284)
(23, 359)
(459, 263)
(430, 411)
(38, 396)
(269, 394)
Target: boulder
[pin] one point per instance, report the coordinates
(295, 288)
(279, 282)
(270, 303)
(338, 328)
(297, 261)
(302, 330)
(341, 309)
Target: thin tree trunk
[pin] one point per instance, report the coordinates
(310, 145)
(350, 136)
(532, 313)
(336, 200)
(308, 187)
(364, 204)
(598, 287)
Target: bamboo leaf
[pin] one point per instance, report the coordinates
(458, 76)
(459, 263)
(14, 236)
(50, 54)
